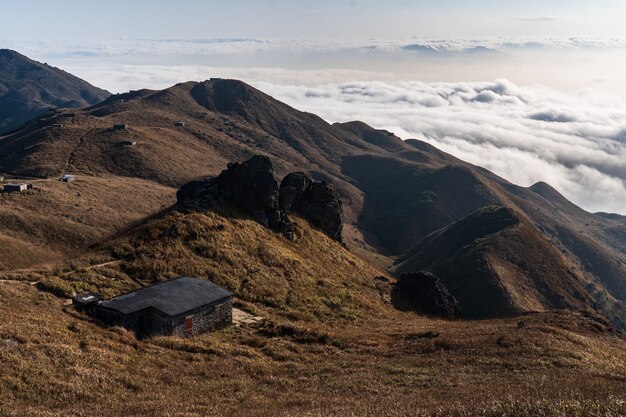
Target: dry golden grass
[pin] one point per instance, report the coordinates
(329, 345)
(54, 362)
(57, 220)
(311, 279)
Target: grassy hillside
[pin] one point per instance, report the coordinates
(330, 343)
(58, 220)
(497, 265)
(311, 279)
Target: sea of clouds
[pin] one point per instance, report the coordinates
(237, 46)
(570, 135)
(576, 143)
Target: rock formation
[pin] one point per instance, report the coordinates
(252, 186)
(426, 294)
(316, 201)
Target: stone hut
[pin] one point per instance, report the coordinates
(182, 306)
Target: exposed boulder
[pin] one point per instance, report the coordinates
(190, 191)
(423, 292)
(316, 201)
(253, 187)
(292, 187)
(250, 185)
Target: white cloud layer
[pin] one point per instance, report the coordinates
(73, 48)
(577, 143)
(567, 63)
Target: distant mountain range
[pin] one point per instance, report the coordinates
(500, 249)
(28, 88)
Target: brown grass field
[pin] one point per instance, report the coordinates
(58, 220)
(331, 343)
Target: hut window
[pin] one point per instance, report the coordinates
(188, 324)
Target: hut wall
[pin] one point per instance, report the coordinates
(112, 317)
(159, 323)
(151, 322)
(212, 316)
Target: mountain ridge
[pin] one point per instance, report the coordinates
(28, 88)
(396, 193)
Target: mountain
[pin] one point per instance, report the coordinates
(402, 199)
(319, 326)
(323, 338)
(28, 88)
(498, 263)
(58, 220)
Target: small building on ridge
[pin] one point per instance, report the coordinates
(182, 306)
(17, 188)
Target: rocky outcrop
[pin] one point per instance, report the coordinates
(424, 293)
(252, 186)
(316, 201)
(292, 187)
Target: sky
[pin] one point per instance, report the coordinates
(532, 90)
(311, 18)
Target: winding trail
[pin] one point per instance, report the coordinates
(90, 267)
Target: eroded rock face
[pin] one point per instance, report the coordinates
(292, 187)
(252, 186)
(190, 191)
(427, 295)
(316, 201)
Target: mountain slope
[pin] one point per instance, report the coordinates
(58, 220)
(395, 192)
(500, 265)
(28, 88)
(329, 341)
(312, 278)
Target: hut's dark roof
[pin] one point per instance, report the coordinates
(172, 297)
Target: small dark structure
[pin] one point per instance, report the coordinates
(82, 301)
(181, 306)
(129, 142)
(17, 188)
(67, 178)
(181, 124)
(120, 127)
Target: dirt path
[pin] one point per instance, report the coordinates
(241, 317)
(33, 283)
(105, 264)
(70, 158)
(90, 267)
